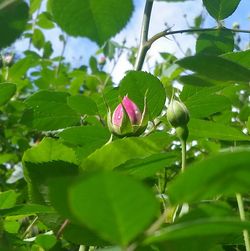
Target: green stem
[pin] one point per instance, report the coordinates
(243, 218)
(183, 154)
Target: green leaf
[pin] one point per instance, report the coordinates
(82, 235)
(83, 105)
(221, 9)
(49, 150)
(137, 84)
(34, 5)
(49, 111)
(7, 90)
(105, 18)
(38, 39)
(207, 129)
(146, 167)
(48, 159)
(26, 209)
(240, 57)
(86, 138)
(197, 80)
(20, 68)
(13, 18)
(122, 150)
(117, 219)
(215, 43)
(216, 68)
(225, 173)
(44, 21)
(7, 199)
(202, 102)
(200, 228)
(46, 241)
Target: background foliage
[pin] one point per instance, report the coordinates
(66, 185)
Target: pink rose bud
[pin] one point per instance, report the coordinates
(127, 118)
(131, 109)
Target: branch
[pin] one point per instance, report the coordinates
(167, 32)
(144, 35)
(145, 46)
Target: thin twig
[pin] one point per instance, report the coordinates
(61, 229)
(29, 227)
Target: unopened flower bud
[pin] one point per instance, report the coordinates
(177, 114)
(102, 60)
(127, 119)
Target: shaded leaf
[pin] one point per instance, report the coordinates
(105, 18)
(225, 173)
(119, 220)
(13, 18)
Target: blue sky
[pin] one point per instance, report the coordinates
(79, 50)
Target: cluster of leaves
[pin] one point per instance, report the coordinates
(65, 185)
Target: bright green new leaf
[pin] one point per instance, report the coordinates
(7, 199)
(137, 84)
(207, 129)
(13, 18)
(34, 5)
(215, 43)
(217, 68)
(38, 39)
(104, 18)
(7, 90)
(240, 57)
(120, 217)
(46, 241)
(225, 173)
(221, 9)
(122, 150)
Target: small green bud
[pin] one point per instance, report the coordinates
(177, 114)
(182, 133)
